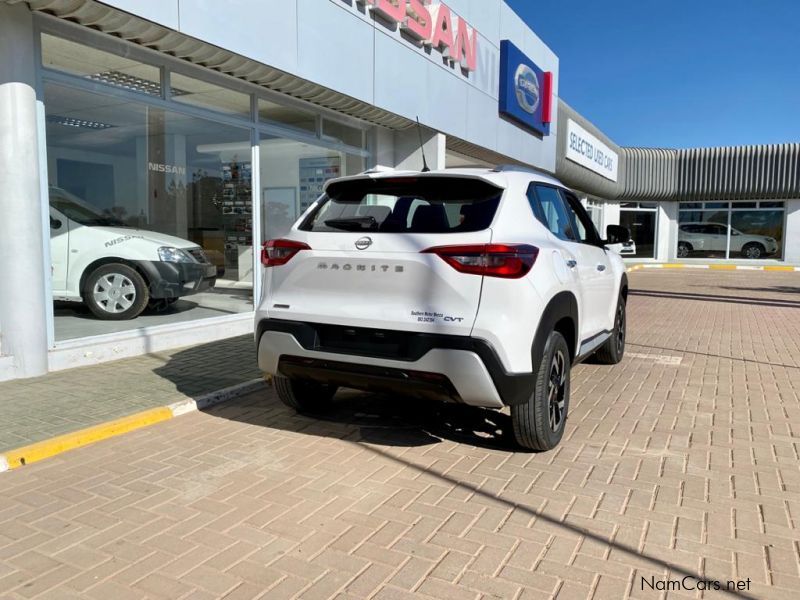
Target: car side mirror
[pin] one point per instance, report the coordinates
(55, 223)
(617, 234)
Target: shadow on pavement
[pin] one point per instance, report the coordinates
(773, 302)
(775, 289)
(372, 421)
(392, 420)
(209, 367)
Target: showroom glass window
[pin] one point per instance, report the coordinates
(145, 171)
(141, 151)
(749, 230)
(294, 172)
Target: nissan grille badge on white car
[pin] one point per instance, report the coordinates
(527, 86)
(363, 243)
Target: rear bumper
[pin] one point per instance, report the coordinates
(469, 367)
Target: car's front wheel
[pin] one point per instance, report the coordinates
(115, 292)
(303, 395)
(753, 250)
(539, 422)
(684, 250)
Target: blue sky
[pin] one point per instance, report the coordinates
(677, 73)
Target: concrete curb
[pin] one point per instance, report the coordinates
(208, 400)
(780, 268)
(19, 457)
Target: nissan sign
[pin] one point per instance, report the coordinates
(526, 92)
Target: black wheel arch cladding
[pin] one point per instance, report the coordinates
(562, 308)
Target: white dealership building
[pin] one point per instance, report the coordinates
(218, 123)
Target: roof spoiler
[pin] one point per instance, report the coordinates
(520, 169)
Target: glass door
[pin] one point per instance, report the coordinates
(641, 219)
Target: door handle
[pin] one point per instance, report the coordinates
(601, 267)
(572, 263)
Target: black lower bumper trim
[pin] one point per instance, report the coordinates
(174, 280)
(406, 346)
(370, 378)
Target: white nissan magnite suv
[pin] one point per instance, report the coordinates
(475, 286)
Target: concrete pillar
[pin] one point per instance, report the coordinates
(610, 215)
(791, 234)
(667, 231)
(23, 287)
(407, 152)
(380, 142)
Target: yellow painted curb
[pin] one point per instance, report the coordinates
(651, 266)
(69, 441)
(19, 457)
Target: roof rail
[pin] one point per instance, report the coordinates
(520, 169)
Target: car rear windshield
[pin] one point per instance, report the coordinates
(406, 205)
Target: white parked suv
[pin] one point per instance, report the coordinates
(713, 237)
(115, 270)
(469, 285)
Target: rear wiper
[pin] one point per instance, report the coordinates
(353, 223)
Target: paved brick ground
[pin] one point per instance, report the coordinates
(683, 460)
(36, 409)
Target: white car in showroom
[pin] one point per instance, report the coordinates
(115, 270)
(475, 286)
(713, 237)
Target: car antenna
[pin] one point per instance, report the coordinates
(425, 168)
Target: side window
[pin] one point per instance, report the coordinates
(549, 207)
(583, 223)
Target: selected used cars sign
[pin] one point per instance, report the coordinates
(588, 151)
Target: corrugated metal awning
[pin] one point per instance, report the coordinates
(724, 173)
(478, 152)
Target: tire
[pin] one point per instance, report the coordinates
(303, 395)
(753, 250)
(684, 249)
(539, 422)
(612, 351)
(115, 292)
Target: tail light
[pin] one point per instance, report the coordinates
(275, 253)
(510, 261)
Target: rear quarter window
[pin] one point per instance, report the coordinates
(406, 205)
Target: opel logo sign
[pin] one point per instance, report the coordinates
(527, 88)
(363, 243)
